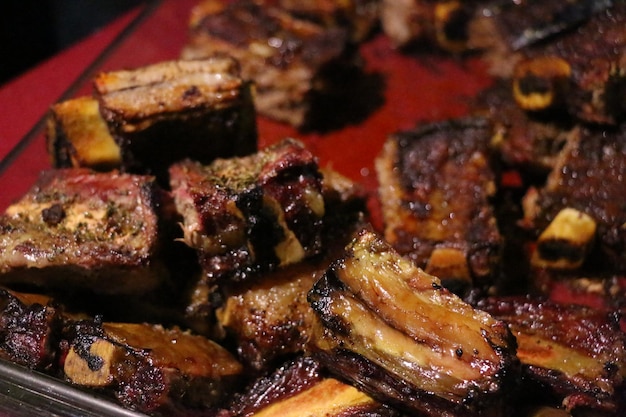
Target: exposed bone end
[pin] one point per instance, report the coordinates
(95, 369)
(540, 83)
(451, 26)
(566, 241)
(78, 136)
(449, 265)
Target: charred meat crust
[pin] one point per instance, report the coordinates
(370, 303)
(436, 185)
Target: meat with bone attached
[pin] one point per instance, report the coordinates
(79, 229)
(578, 215)
(172, 110)
(576, 352)
(300, 387)
(582, 71)
(291, 61)
(394, 332)
(251, 214)
(436, 183)
(149, 368)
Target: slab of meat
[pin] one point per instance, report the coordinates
(149, 368)
(172, 110)
(79, 229)
(290, 60)
(436, 183)
(577, 353)
(396, 333)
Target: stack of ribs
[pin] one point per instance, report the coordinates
(292, 61)
(134, 116)
(436, 186)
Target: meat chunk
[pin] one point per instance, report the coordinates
(393, 331)
(172, 110)
(251, 214)
(79, 229)
(435, 188)
(299, 387)
(149, 368)
(579, 214)
(290, 60)
(577, 352)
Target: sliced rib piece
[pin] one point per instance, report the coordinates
(79, 229)
(436, 183)
(577, 352)
(393, 331)
(251, 214)
(300, 388)
(168, 111)
(588, 178)
(148, 367)
(290, 60)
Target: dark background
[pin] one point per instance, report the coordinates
(33, 30)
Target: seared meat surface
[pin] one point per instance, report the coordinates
(436, 183)
(77, 228)
(396, 333)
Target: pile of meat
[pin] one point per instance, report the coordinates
(167, 262)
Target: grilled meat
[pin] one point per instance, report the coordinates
(578, 353)
(77, 228)
(78, 136)
(149, 368)
(397, 334)
(579, 214)
(290, 60)
(251, 214)
(30, 329)
(435, 188)
(299, 387)
(169, 111)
